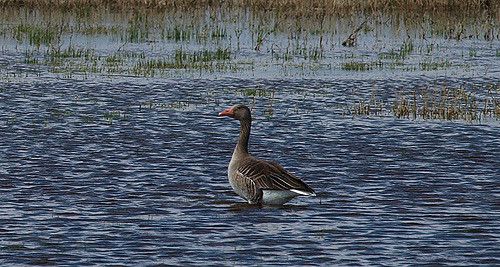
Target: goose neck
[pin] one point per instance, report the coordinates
(242, 146)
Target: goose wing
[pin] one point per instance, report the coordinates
(271, 176)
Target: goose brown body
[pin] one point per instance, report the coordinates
(259, 181)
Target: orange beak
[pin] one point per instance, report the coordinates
(227, 112)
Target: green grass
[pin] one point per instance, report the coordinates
(138, 28)
(175, 105)
(114, 60)
(433, 65)
(71, 52)
(402, 53)
(110, 116)
(219, 33)
(30, 58)
(406, 49)
(229, 39)
(36, 35)
(177, 33)
(257, 92)
(356, 66)
(472, 52)
(87, 119)
(181, 59)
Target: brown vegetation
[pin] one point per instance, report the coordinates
(442, 103)
(309, 7)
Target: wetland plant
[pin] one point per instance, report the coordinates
(138, 29)
(110, 116)
(36, 35)
(202, 60)
(301, 35)
(314, 8)
(356, 66)
(443, 103)
(431, 65)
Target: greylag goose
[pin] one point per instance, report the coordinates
(258, 181)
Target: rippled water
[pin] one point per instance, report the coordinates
(134, 172)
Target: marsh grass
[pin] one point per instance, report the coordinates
(257, 93)
(70, 52)
(177, 33)
(87, 119)
(56, 113)
(356, 66)
(314, 8)
(362, 107)
(181, 59)
(36, 35)
(84, 60)
(30, 58)
(442, 103)
(445, 104)
(110, 116)
(431, 65)
(174, 105)
(406, 49)
(223, 36)
(138, 28)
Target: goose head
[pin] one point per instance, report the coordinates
(237, 112)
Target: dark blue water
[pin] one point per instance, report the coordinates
(134, 173)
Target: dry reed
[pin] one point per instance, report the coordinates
(443, 103)
(297, 7)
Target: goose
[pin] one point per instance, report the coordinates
(259, 181)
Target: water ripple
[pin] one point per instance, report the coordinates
(93, 173)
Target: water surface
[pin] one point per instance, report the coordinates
(111, 151)
(134, 172)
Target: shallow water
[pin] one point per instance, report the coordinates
(241, 43)
(147, 184)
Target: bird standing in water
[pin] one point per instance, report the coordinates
(259, 181)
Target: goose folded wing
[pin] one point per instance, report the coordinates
(271, 176)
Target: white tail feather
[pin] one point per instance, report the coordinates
(302, 192)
